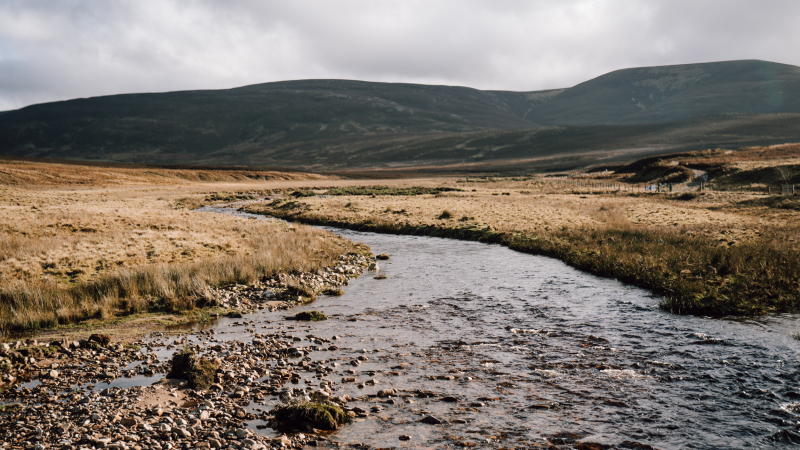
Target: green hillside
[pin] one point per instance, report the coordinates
(339, 124)
(659, 94)
(255, 117)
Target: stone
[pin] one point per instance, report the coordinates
(181, 422)
(404, 437)
(242, 433)
(282, 441)
(128, 421)
(386, 393)
(102, 339)
(214, 443)
(431, 420)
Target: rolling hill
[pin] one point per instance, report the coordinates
(666, 93)
(341, 124)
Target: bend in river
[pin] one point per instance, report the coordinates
(535, 352)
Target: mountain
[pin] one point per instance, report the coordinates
(338, 124)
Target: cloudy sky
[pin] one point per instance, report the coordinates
(61, 49)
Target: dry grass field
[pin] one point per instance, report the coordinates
(91, 241)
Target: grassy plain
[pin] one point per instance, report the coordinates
(82, 242)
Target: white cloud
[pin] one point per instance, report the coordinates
(53, 50)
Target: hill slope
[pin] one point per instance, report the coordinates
(250, 117)
(335, 124)
(659, 94)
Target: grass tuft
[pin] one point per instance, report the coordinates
(445, 215)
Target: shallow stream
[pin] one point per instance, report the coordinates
(536, 353)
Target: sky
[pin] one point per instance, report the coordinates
(63, 49)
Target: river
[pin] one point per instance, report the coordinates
(527, 351)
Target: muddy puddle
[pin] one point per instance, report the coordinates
(511, 350)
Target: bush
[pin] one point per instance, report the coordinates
(445, 215)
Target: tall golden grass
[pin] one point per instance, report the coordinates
(84, 241)
(273, 249)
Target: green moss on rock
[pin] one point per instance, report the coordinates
(198, 371)
(303, 416)
(313, 316)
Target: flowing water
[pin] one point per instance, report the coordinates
(541, 354)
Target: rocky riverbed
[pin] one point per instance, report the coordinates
(459, 344)
(96, 393)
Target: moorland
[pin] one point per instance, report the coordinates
(103, 242)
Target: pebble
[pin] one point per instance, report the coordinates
(57, 414)
(431, 420)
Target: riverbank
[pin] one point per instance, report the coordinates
(715, 253)
(87, 246)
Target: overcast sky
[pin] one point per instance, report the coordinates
(61, 49)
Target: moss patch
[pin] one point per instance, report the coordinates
(9, 408)
(313, 316)
(302, 416)
(198, 371)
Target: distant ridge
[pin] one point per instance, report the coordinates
(336, 124)
(665, 93)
